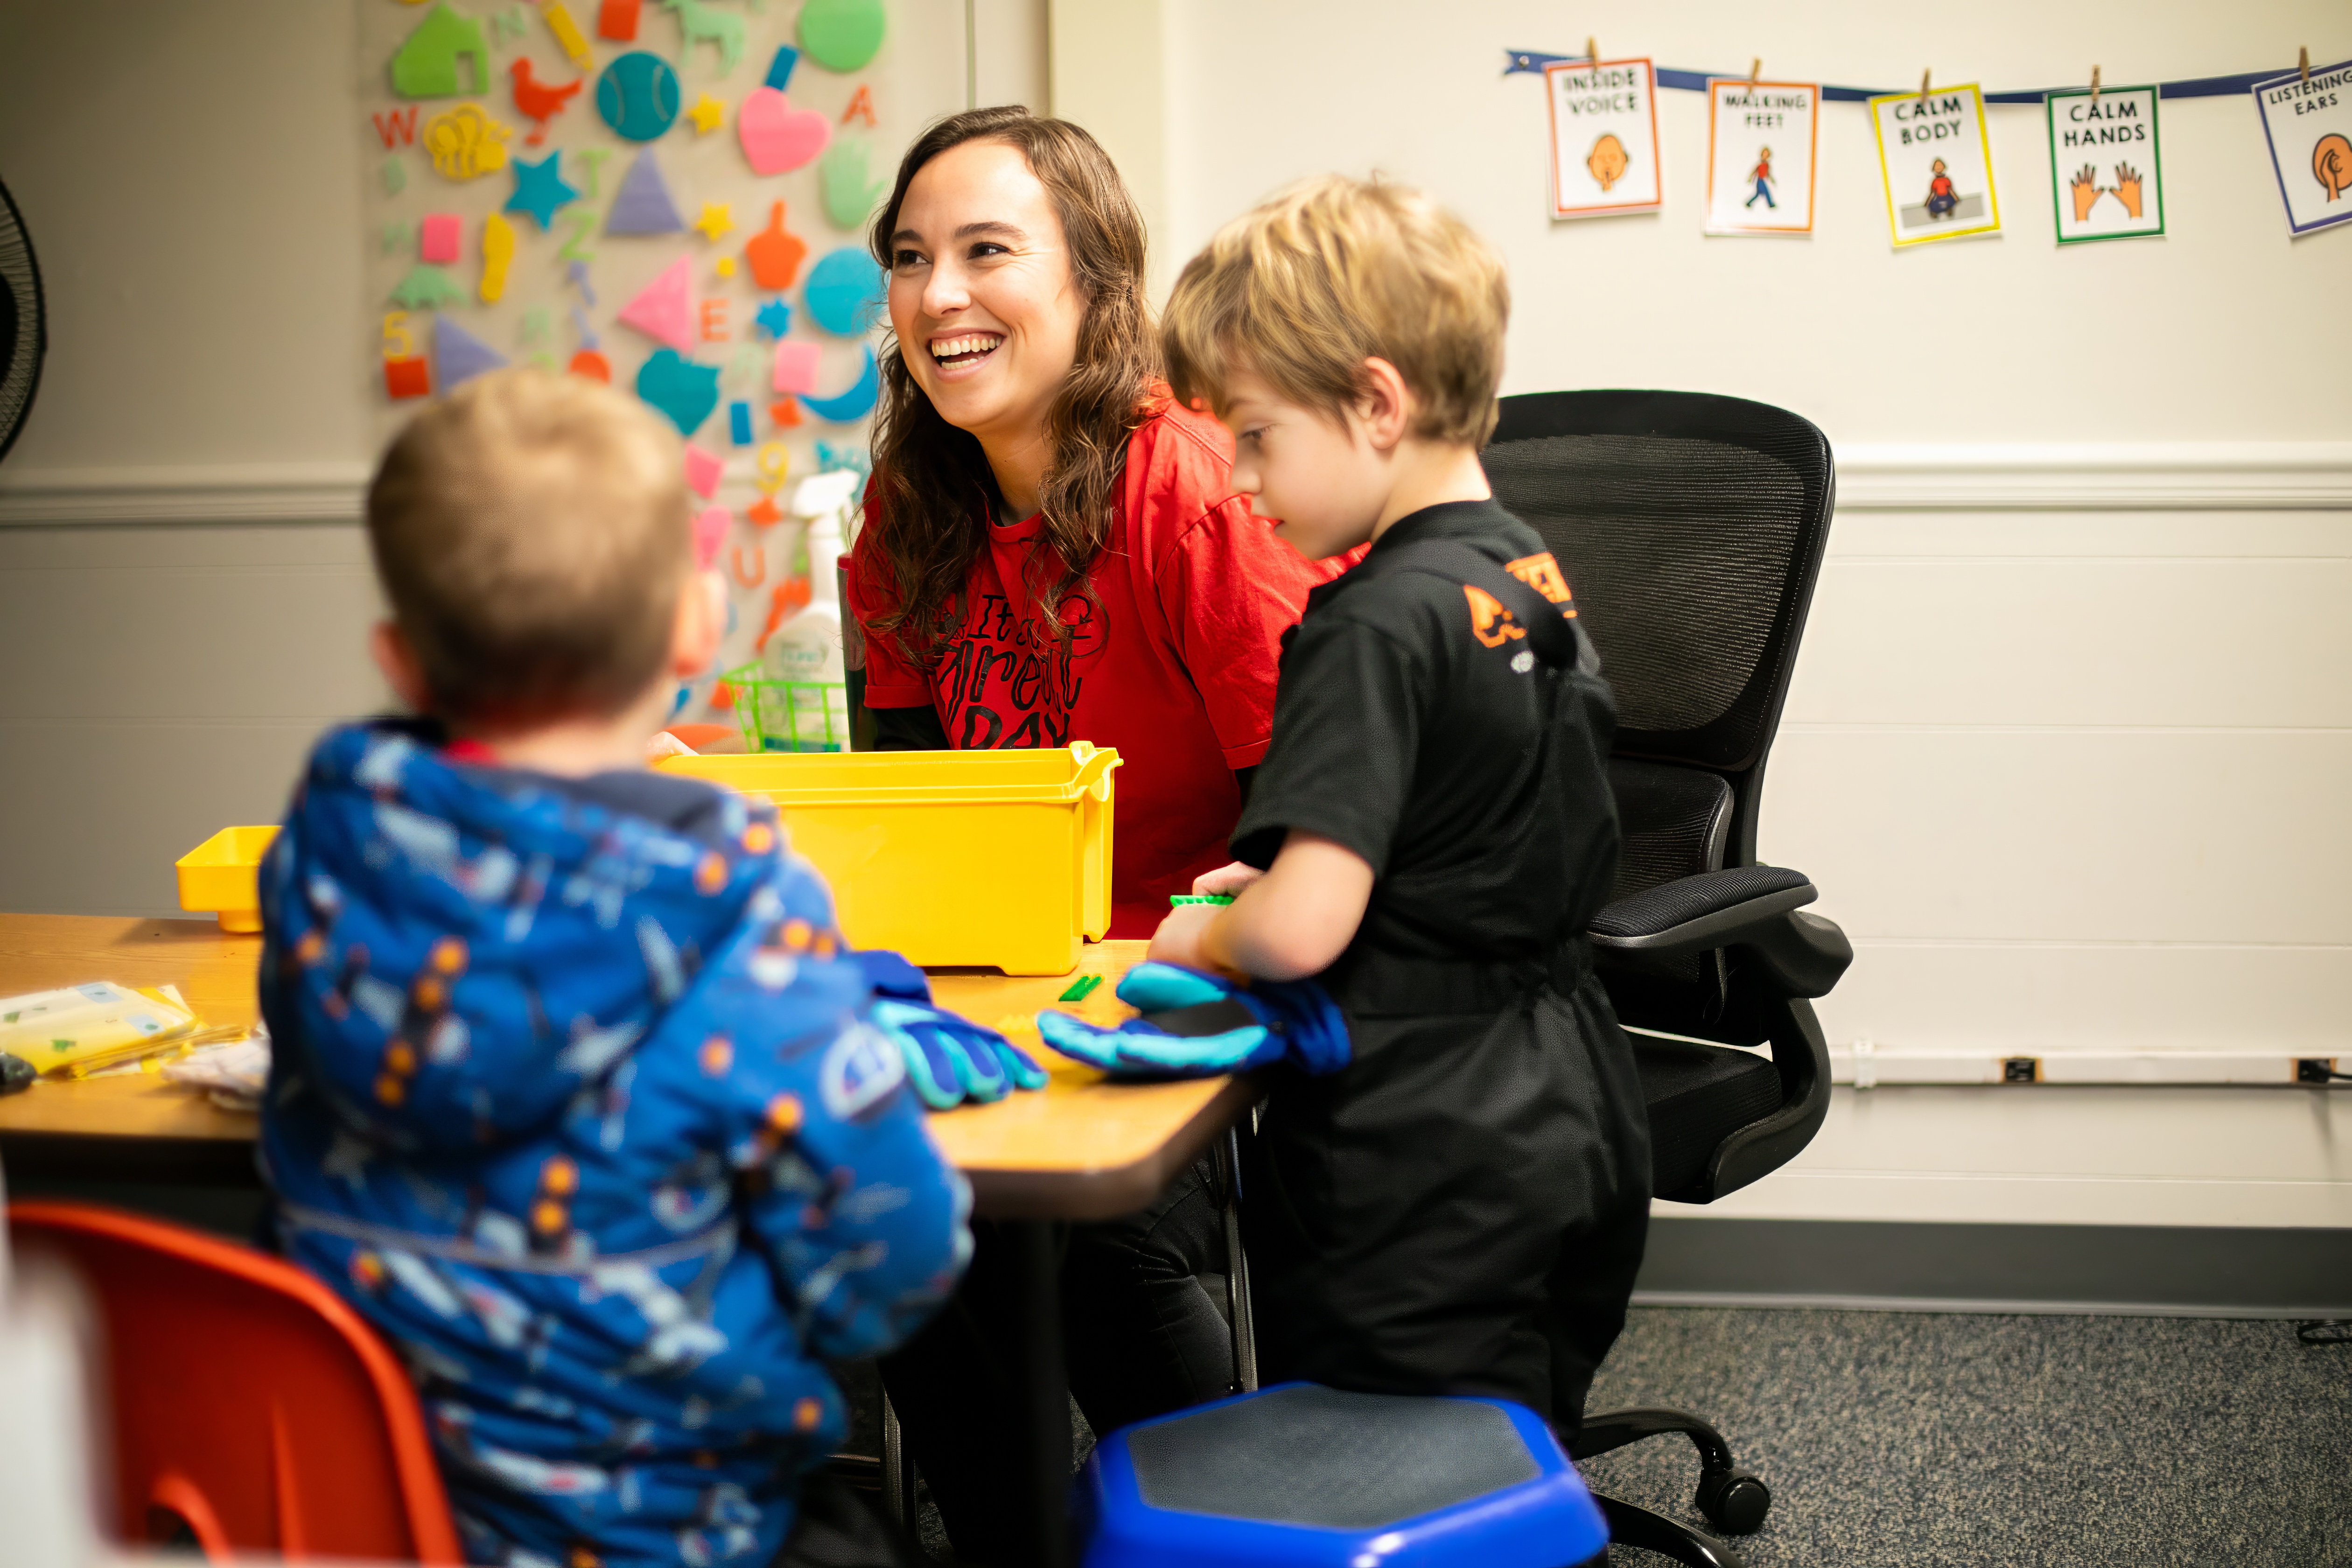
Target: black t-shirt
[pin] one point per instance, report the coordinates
(1444, 758)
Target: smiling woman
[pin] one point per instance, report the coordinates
(1054, 551)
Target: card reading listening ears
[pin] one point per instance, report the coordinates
(2308, 124)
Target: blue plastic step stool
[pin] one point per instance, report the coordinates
(1299, 1476)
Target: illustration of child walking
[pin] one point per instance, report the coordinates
(1762, 174)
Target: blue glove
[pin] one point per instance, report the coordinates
(1196, 1025)
(950, 1060)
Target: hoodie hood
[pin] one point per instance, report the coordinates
(453, 953)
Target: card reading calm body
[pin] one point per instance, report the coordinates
(1935, 160)
(2105, 172)
(1760, 137)
(2309, 124)
(1604, 138)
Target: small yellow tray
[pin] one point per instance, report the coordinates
(221, 877)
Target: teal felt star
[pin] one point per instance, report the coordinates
(775, 318)
(540, 189)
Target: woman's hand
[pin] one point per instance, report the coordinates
(1225, 881)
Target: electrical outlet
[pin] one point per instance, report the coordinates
(2314, 1069)
(2020, 1069)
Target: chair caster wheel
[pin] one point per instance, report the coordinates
(1734, 1501)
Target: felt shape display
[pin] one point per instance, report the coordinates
(847, 407)
(568, 34)
(407, 378)
(724, 267)
(773, 253)
(713, 316)
(643, 204)
(795, 366)
(684, 391)
(593, 365)
(539, 102)
(437, 238)
(738, 423)
(425, 287)
(786, 412)
(708, 114)
(460, 355)
(774, 318)
(702, 471)
(763, 513)
(776, 137)
(427, 64)
(710, 526)
(638, 96)
(617, 20)
(718, 217)
(497, 255)
(540, 189)
(465, 143)
(395, 178)
(842, 34)
(707, 23)
(664, 309)
(845, 293)
(849, 195)
(780, 69)
(396, 127)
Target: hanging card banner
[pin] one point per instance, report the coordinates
(2309, 126)
(1604, 138)
(1934, 161)
(1760, 139)
(2105, 173)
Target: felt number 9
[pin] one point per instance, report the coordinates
(775, 462)
(397, 341)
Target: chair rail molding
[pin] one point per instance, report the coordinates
(2198, 476)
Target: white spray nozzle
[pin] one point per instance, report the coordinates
(822, 495)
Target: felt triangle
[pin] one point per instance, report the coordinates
(664, 309)
(460, 356)
(643, 204)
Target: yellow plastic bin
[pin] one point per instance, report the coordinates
(221, 877)
(997, 860)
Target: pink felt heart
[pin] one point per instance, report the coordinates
(776, 137)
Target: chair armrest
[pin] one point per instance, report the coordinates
(1753, 908)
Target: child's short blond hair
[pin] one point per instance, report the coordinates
(1334, 271)
(532, 536)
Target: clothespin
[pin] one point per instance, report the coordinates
(2095, 86)
(1923, 84)
(2303, 61)
(1755, 68)
(1593, 53)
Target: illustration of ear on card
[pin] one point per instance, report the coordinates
(1935, 160)
(1761, 138)
(1604, 138)
(2308, 122)
(2105, 172)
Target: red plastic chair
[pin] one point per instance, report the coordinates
(250, 1406)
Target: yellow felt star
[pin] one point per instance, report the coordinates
(726, 267)
(715, 220)
(708, 114)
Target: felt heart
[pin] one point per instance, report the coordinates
(776, 137)
(683, 390)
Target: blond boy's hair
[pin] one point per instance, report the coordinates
(532, 536)
(1331, 272)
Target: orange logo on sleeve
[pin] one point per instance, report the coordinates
(1541, 572)
(1490, 622)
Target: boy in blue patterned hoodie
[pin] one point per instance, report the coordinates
(576, 1097)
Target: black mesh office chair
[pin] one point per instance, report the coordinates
(1691, 529)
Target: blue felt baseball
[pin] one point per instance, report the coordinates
(638, 96)
(845, 292)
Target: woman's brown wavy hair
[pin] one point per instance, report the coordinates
(930, 478)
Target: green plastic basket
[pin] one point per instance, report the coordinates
(790, 715)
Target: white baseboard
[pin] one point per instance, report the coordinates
(1866, 1065)
(2215, 475)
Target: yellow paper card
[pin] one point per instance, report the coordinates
(1934, 162)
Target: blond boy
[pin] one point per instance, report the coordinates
(1462, 1207)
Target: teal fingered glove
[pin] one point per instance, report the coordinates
(950, 1060)
(1196, 1025)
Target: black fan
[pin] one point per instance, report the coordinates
(24, 329)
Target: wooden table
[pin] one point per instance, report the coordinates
(1080, 1149)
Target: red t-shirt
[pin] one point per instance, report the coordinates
(1176, 671)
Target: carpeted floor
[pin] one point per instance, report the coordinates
(1914, 1439)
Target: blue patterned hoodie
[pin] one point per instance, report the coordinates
(577, 1103)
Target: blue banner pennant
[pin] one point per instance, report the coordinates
(1519, 60)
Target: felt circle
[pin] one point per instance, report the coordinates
(638, 96)
(845, 292)
(841, 34)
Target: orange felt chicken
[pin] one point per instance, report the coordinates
(537, 101)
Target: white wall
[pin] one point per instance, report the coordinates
(183, 590)
(2070, 737)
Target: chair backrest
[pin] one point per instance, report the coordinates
(1690, 528)
(251, 1408)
